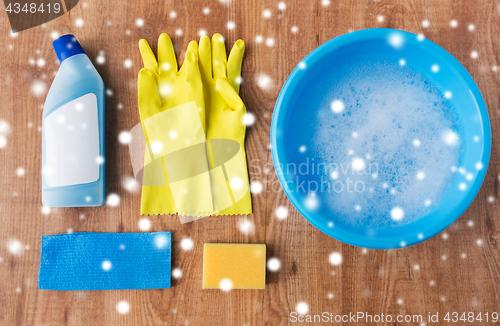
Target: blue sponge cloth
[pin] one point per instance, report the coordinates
(105, 261)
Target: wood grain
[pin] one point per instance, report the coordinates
(414, 280)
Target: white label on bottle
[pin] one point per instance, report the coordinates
(72, 143)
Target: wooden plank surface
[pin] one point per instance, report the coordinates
(449, 273)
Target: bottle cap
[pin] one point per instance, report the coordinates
(66, 46)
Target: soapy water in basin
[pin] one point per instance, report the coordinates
(385, 145)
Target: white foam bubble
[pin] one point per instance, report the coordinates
(407, 137)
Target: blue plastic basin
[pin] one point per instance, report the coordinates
(306, 82)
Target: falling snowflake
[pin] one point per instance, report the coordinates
(127, 63)
(281, 5)
(173, 14)
(281, 212)
(270, 42)
(397, 213)
(259, 39)
(130, 185)
(79, 22)
(100, 59)
(113, 200)
(256, 187)
(4, 127)
(246, 226)
(15, 247)
(230, 25)
(312, 202)
(177, 273)
(144, 224)
(358, 164)
(139, 22)
(471, 27)
(38, 87)
(161, 241)
(474, 54)
(264, 82)
(273, 264)
(453, 23)
(106, 265)
(20, 172)
(202, 32)
(226, 285)
(123, 307)
(337, 106)
(236, 183)
(45, 210)
(450, 138)
(187, 244)
(266, 13)
(302, 307)
(425, 23)
(335, 258)
(206, 11)
(248, 119)
(124, 137)
(396, 40)
(3, 141)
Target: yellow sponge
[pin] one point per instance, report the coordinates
(234, 266)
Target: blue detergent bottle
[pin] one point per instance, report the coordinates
(73, 131)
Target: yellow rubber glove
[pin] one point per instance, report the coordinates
(164, 89)
(224, 116)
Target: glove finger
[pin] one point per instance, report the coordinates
(166, 54)
(205, 58)
(192, 48)
(148, 57)
(234, 64)
(229, 95)
(149, 97)
(219, 60)
(192, 69)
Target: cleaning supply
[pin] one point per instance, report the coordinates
(225, 112)
(73, 131)
(172, 112)
(105, 261)
(181, 172)
(229, 266)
